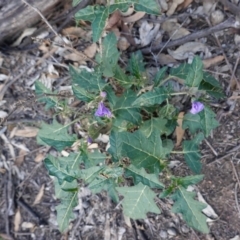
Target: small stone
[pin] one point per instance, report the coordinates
(163, 234)
(185, 229)
(172, 231)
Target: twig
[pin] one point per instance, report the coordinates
(226, 155)
(229, 23)
(236, 197)
(40, 14)
(210, 146)
(233, 8)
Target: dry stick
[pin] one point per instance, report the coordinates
(231, 7)
(229, 23)
(40, 14)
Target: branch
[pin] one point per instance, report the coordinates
(229, 23)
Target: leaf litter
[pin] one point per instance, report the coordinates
(171, 7)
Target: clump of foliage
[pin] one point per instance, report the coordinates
(140, 116)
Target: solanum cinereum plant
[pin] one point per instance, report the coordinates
(140, 115)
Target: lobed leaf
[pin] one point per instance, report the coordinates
(190, 209)
(192, 122)
(59, 137)
(160, 76)
(140, 175)
(138, 200)
(86, 14)
(191, 153)
(115, 145)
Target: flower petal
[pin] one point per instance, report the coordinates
(196, 107)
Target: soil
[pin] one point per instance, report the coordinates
(21, 180)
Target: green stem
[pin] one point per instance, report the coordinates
(179, 93)
(177, 152)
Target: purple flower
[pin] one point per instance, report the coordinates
(196, 107)
(103, 94)
(103, 111)
(89, 140)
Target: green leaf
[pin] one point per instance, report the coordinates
(63, 168)
(192, 122)
(211, 86)
(138, 200)
(192, 74)
(160, 75)
(148, 6)
(56, 135)
(75, 2)
(82, 94)
(140, 175)
(121, 5)
(168, 111)
(154, 124)
(93, 158)
(190, 209)
(124, 109)
(107, 184)
(110, 54)
(144, 152)
(136, 66)
(189, 180)
(89, 174)
(65, 186)
(124, 80)
(191, 153)
(69, 201)
(91, 82)
(115, 145)
(40, 91)
(99, 22)
(208, 121)
(86, 14)
(157, 96)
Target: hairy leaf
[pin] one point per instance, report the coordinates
(103, 183)
(190, 209)
(160, 75)
(192, 122)
(168, 111)
(115, 145)
(192, 74)
(69, 201)
(56, 135)
(124, 109)
(138, 200)
(157, 96)
(89, 174)
(63, 168)
(40, 91)
(208, 121)
(136, 66)
(98, 24)
(124, 80)
(191, 153)
(86, 14)
(140, 175)
(110, 55)
(93, 158)
(189, 180)
(144, 152)
(82, 94)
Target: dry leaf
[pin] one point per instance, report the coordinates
(216, 17)
(27, 225)
(26, 132)
(39, 157)
(5, 237)
(2, 170)
(20, 158)
(123, 44)
(135, 17)
(209, 6)
(184, 51)
(174, 29)
(113, 20)
(76, 57)
(174, 6)
(185, 4)
(212, 61)
(148, 32)
(17, 220)
(165, 59)
(3, 114)
(179, 131)
(91, 50)
(74, 31)
(26, 32)
(39, 195)
(3, 77)
(93, 146)
(164, 5)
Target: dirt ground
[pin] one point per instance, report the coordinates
(23, 175)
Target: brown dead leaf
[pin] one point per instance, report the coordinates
(39, 195)
(113, 20)
(135, 17)
(91, 50)
(212, 61)
(165, 59)
(28, 225)
(20, 158)
(123, 44)
(74, 31)
(179, 131)
(184, 5)
(148, 31)
(5, 237)
(174, 6)
(75, 57)
(26, 32)
(2, 170)
(26, 132)
(17, 220)
(39, 157)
